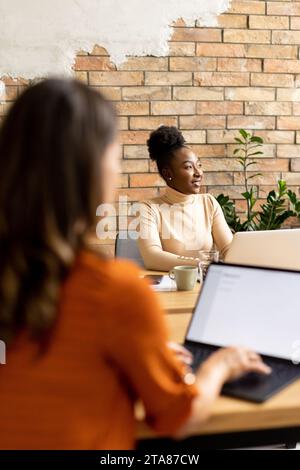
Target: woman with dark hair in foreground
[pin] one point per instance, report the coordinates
(86, 337)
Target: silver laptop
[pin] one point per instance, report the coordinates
(258, 308)
(271, 248)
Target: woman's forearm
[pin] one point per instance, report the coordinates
(209, 381)
(159, 260)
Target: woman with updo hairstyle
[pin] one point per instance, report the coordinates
(175, 226)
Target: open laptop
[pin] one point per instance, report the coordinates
(253, 307)
(271, 248)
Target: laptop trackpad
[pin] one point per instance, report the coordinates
(257, 387)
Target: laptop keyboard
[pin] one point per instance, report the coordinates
(200, 355)
(280, 370)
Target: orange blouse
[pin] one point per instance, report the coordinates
(108, 350)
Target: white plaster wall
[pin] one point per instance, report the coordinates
(41, 37)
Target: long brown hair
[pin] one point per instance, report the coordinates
(51, 144)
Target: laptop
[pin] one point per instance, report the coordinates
(255, 307)
(271, 248)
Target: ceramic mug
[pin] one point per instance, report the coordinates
(184, 276)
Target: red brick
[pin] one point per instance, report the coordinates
(152, 122)
(111, 93)
(239, 65)
(173, 107)
(219, 107)
(283, 8)
(145, 180)
(272, 79)
(198, 93)
(123, 181)
(288, 151)
(295, 22)
(193, 64)
(251, 36)
(284, 66)
(277, 137)
(288, 94)
(220, 164)
(194, 136)
(207, 151)
(288, 123)
(247, 7)
(123, 123)
(134, 137)
(265, 178)
(93, 63)
(81, 76)
(145, 63)
(270, 137)
(285, 37)
(145, 93)
(181, 49)
(196, 35)
(218, 178)
(250, 122)
(130, 108)
(268, 108)
(135, 151)
(232, 192)
(250, 94)
(291, 178)
(116, 78)
(135, 166)
(296, 108)
(221, 50)
(202, 122)
(295, 164)
(268, 22)
(221, 78)
(271, 51)
(168, 78)
(232, 21)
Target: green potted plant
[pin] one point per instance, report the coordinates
(280, 205)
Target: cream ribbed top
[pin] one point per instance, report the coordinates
(175, 227)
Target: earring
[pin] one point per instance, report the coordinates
(170, 179)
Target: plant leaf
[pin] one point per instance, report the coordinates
(255, 138)
(244, 134)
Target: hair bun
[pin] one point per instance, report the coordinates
(164, 141)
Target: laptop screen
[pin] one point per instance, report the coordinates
(252, 307)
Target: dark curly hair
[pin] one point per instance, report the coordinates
(162, 144)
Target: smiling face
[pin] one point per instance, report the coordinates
(184, 173)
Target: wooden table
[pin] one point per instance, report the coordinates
(177, 301)
(235, 422)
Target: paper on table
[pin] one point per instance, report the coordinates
(165, 285)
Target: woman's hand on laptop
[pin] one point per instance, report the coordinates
(182, 354)
(235, 361)
(222, 366)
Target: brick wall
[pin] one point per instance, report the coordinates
(243, 73)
